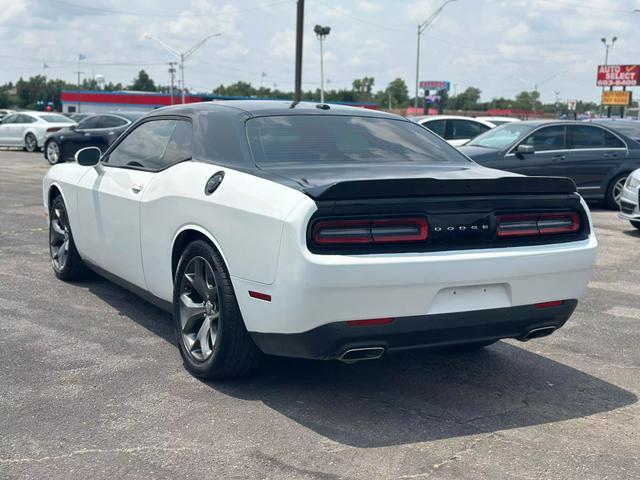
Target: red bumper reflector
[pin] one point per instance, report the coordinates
(554, 303)
(369, 322)
(260, 296)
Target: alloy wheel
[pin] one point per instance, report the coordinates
(617, 189)
(30, 143)
(199, 309)
(53, 152)
(59, 237)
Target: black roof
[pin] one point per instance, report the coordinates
(258, 108)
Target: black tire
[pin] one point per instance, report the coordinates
(233, 353)
(470, 347)
(30, 143)
(72, 268)
(609, 198)
(635, 223)
(50, 149)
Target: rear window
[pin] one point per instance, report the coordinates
(311, 139)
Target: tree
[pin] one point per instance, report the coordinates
(397, 92)
(143, 83)
(363, 85)
(467, 100)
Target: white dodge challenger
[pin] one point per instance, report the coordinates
(317, 231)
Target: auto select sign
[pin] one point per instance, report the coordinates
(618, 75)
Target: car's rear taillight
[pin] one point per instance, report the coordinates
(373, 231)
(53, 129)
(534, 224)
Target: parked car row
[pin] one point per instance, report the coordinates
(29, 129)
(93, 131)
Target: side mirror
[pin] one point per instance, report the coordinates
(73, 127)
(89, 156)
(525, 149)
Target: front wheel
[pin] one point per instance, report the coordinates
(635, 223)
(65, 259)
(614, 192)
(211, 334)
(30, 143)
(52, 152)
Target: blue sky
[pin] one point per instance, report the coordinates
(499, 46)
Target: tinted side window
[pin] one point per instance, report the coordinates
(9, 119)
(582, 136)
(110, 121)
(611, 141)
(179, 147)
(465, 129)
(144, 147)
(548, 138)
(437, 127)
(89, 122)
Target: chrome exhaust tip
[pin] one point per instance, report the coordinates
(538, 333)
(353, 355)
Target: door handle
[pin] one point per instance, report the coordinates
(87, 134)
(137, 187)
(555, 158)
(610, 154)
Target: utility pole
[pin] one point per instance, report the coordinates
(182, 56)
(80, 58)
(421, 28)
(321, 33)
(297, 94)
(607, 46)
(172, 71)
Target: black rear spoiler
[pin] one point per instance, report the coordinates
(430, 187)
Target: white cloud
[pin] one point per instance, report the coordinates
(369, 6)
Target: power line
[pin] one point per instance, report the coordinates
(106, 11)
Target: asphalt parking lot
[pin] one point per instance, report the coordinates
(92, 386)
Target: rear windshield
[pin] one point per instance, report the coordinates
(52, 118)
(322, 139)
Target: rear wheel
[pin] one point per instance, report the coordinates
(635, 223)
(614, 192)
(65, 259)
(52, 152)
(212, 338)
(30, 143)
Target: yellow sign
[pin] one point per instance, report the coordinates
(616, 97)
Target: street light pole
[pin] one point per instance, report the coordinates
(321, 33)
(172, 71)
(182, 56)
(421, 28)
(607, 46)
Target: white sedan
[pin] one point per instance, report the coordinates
(630, 199)
(456, 130)
(29, 129)
(317, 231)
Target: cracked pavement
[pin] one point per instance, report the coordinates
(92, 386)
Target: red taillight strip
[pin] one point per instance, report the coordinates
(260, 296)
(533, 224)
(387, 230)
(369, 322)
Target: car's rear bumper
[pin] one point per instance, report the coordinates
(332, 340)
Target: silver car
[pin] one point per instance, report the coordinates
(630, 199)
(29, 129)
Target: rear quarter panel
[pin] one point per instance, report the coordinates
(244, 218)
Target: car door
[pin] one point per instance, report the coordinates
(109, 199)
(593, 157)
(460, 131)
(85, 132)
(7, 137)
(549, 144)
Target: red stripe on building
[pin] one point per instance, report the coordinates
(125, 98)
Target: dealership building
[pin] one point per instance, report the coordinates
(93, 101)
